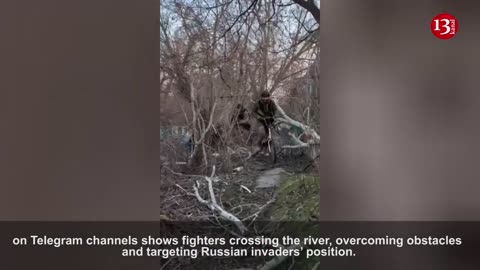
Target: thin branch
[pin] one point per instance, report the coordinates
(277, 260)
(186, 191)
(181, 174)
(215, 207)
(252, 5)
(217, 6)
(260, 210)
(310, 6)
(287, 120)
(210, 123)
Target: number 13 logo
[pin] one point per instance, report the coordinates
(444, 26)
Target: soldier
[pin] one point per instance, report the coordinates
(265, 110)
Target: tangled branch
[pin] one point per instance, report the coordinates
(213, 205)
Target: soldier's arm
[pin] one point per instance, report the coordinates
(274, 108)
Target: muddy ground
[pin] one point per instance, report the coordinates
(243, 191)
(259, 191)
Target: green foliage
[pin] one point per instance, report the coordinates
(297, 203)
(297, 199)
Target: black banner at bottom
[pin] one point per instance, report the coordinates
(260, 245)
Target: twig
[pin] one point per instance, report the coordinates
(287, 120)
(213, 205)
(210, 122)
(200, 199)
(218, 223)
(184, 175)
(277, 260)
(213, 171)
(186, 191)
(253, 4)
(310, 6)
(310, 163)
(299, 143)
(293, 263)
(210, 189)
(165, 264)
(260, 210)
(244, 187)
(243, 205)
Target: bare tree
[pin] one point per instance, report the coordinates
(217, 53)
